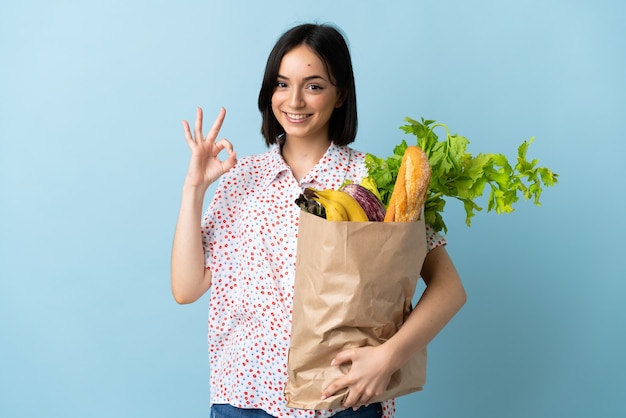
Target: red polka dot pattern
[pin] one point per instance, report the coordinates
(249, 235)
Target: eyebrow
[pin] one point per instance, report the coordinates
(309, 78)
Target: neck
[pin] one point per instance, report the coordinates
(301, 156)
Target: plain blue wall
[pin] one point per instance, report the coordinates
(92, 159)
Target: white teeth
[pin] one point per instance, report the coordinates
(297, 116)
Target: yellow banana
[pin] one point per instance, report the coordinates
(353, 209)
(334, 209)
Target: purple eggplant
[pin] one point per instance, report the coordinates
(372, 206)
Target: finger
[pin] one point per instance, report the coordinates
(343, 357)
(188, 136)
(198, 125)
(224, 144)
(335, 387)
(228, 163)
(353, 399)
(362, 401)
(217, 125)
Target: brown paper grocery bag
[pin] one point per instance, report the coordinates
(353, 287)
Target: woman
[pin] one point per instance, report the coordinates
(245, 251)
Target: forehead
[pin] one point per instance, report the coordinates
(302, 59)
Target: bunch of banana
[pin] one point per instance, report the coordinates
(337, 205)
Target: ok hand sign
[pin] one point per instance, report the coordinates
(204, 166)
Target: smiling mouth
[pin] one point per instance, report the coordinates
(297, 116)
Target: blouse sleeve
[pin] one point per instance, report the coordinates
(434, 239)
(219, 220)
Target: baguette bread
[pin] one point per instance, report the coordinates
(411, 187)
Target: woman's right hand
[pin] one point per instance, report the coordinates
(190, 278)
(205, 167)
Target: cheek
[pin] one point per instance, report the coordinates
(276, 100)
(276, 108)
(328, 104)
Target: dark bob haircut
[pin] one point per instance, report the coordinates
(330, 45)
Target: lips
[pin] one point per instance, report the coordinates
(297, 116)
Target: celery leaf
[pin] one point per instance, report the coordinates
(457, 174)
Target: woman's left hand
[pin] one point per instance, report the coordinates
(372, 367)
(367, 379)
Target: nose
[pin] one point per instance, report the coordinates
(297, 98)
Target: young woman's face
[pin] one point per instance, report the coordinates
(304, 98)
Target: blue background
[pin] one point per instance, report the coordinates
(92, 161)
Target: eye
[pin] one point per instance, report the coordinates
(281, 84)
(315, 87)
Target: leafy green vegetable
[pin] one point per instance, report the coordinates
(457, 174)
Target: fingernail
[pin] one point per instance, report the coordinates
(332, 363)
(324, 396)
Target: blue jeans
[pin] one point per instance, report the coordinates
(228, 411)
